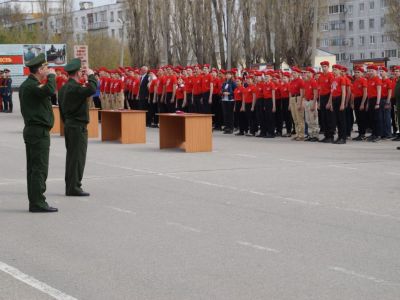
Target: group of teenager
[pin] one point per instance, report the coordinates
(6, 103)
(301, 104)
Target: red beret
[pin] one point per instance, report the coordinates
(277, 76)
(359, 69)
(372, 67)
(324, 63)
(396, 68)
(296, 69)
(309, 69)
(339, 67)
(349, 76)
(384, 69)
(286, 74)
(224, 72)
(344, 69)
(206, 66)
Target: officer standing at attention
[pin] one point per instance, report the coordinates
(38, 118)
(75, 114)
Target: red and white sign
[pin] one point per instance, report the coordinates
(82, 52)
(11, 59)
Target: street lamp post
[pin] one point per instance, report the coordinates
(121, 62)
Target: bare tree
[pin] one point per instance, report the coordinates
(393, 18)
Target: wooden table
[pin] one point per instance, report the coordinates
(57, 120)
(93, 126)
(125, 126)
(190, 132)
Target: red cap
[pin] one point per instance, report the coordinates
(286, 74)
(296, 69)
(384, 69)
(324, 63)
(372, 67)
(359, 69)
(309, 69)
(206, 66)
(396, 68)
(339, 67)
(344, 69)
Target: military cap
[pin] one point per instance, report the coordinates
(73, 65)
(372, 67)
(309, 69)
(381, 68)
(38, 61)
(324, 63)
(396, 68)
(358, 69)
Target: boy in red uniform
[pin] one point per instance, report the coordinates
(326, 119)
(216, 106)
(180, 94)
(286, 115)
(337, 102)
(207, 89)
(133, 99)
(197, 92)
(386, 107)
(268, 92)
(170, 90)
(296, 93)
(358, 101)
(239, 115)
(249, 99)
(188, 79)
(310, 99)
(374, 90)
(259, 105)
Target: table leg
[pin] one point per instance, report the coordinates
(172, 132)
(198, 134)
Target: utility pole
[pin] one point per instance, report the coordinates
(228, 32)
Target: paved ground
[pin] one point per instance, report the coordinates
(255, 219)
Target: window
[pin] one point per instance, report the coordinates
(351, 56)
(371, 23)
(372, 39)
(361, 24)
(324, 27)
(383, 53)
(372, 55)
(83, 22)
(120, 14)
(387, 38)
(351, 42)
(351, 26)
(384, 3)
(362, 40)
(391, 53)
(324, 43)
(112, 16)
(361, 6)
(337, 41)
(120, 33)
(103, 16)
(76, 22)
(335, 9)
(383, 22)
(337, 25)
(113, 33)
(337, 57)
(350, 9)
(342, 56)
(371, 5)
(362, 56)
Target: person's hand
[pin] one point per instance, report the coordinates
(242, 108)
(328, 106)
(273, 108)
(377, 106)
(362, 106)
(388, 106)
(89, 71)
(312, 108)
(50, 71)
(299, 107)
(210, 101)
(352, 105)
(252, 108)
(341, 107)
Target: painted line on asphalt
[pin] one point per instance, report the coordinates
(126, 211)
(258, 247)
(301, 201)
(244, 155)
(291, 160)
(362, 276)
(36, 284)
(342, 167)
(183, 227)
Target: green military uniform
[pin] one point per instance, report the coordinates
(75, 114)
(38, 117)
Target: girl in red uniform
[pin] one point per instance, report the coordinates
(374, 91)
(386, 107)
(249, 99)
(180, 94)
(358, 102)
(239, 115)
(337, 103)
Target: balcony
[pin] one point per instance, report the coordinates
(97, 26)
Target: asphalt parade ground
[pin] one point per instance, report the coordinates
(254, 219)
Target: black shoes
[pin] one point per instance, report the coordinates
(314, 139)
(239, 133)
(228, 131)
(340, 141)
(326, 140)
(359, 138)
(37, 209)
(81, 194)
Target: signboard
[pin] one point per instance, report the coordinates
(15, 56)
(82, 52)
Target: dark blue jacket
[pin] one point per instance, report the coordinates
(228, 86)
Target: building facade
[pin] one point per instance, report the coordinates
(355, 30)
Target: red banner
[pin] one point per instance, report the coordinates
(11, 60)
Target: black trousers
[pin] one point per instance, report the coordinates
(206, 104)
(189, 103)
(278, 116)
(161, 105)
(126, 99)
(374, 116)
(361, 116)
(340, 117)
(393, 115)
(327, 117)
(227, 108)
(179, 104)
(7, 103)
(153, 110)
(286, 115)
(269, 117)
(240, 120)
(217, 110)
(349, 120)
(76, 140)
(197, 103)
(53, 99)
(260, 115)
(169, 103)
(251, 119)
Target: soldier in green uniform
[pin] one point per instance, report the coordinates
(74, 109)
(38, 118)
